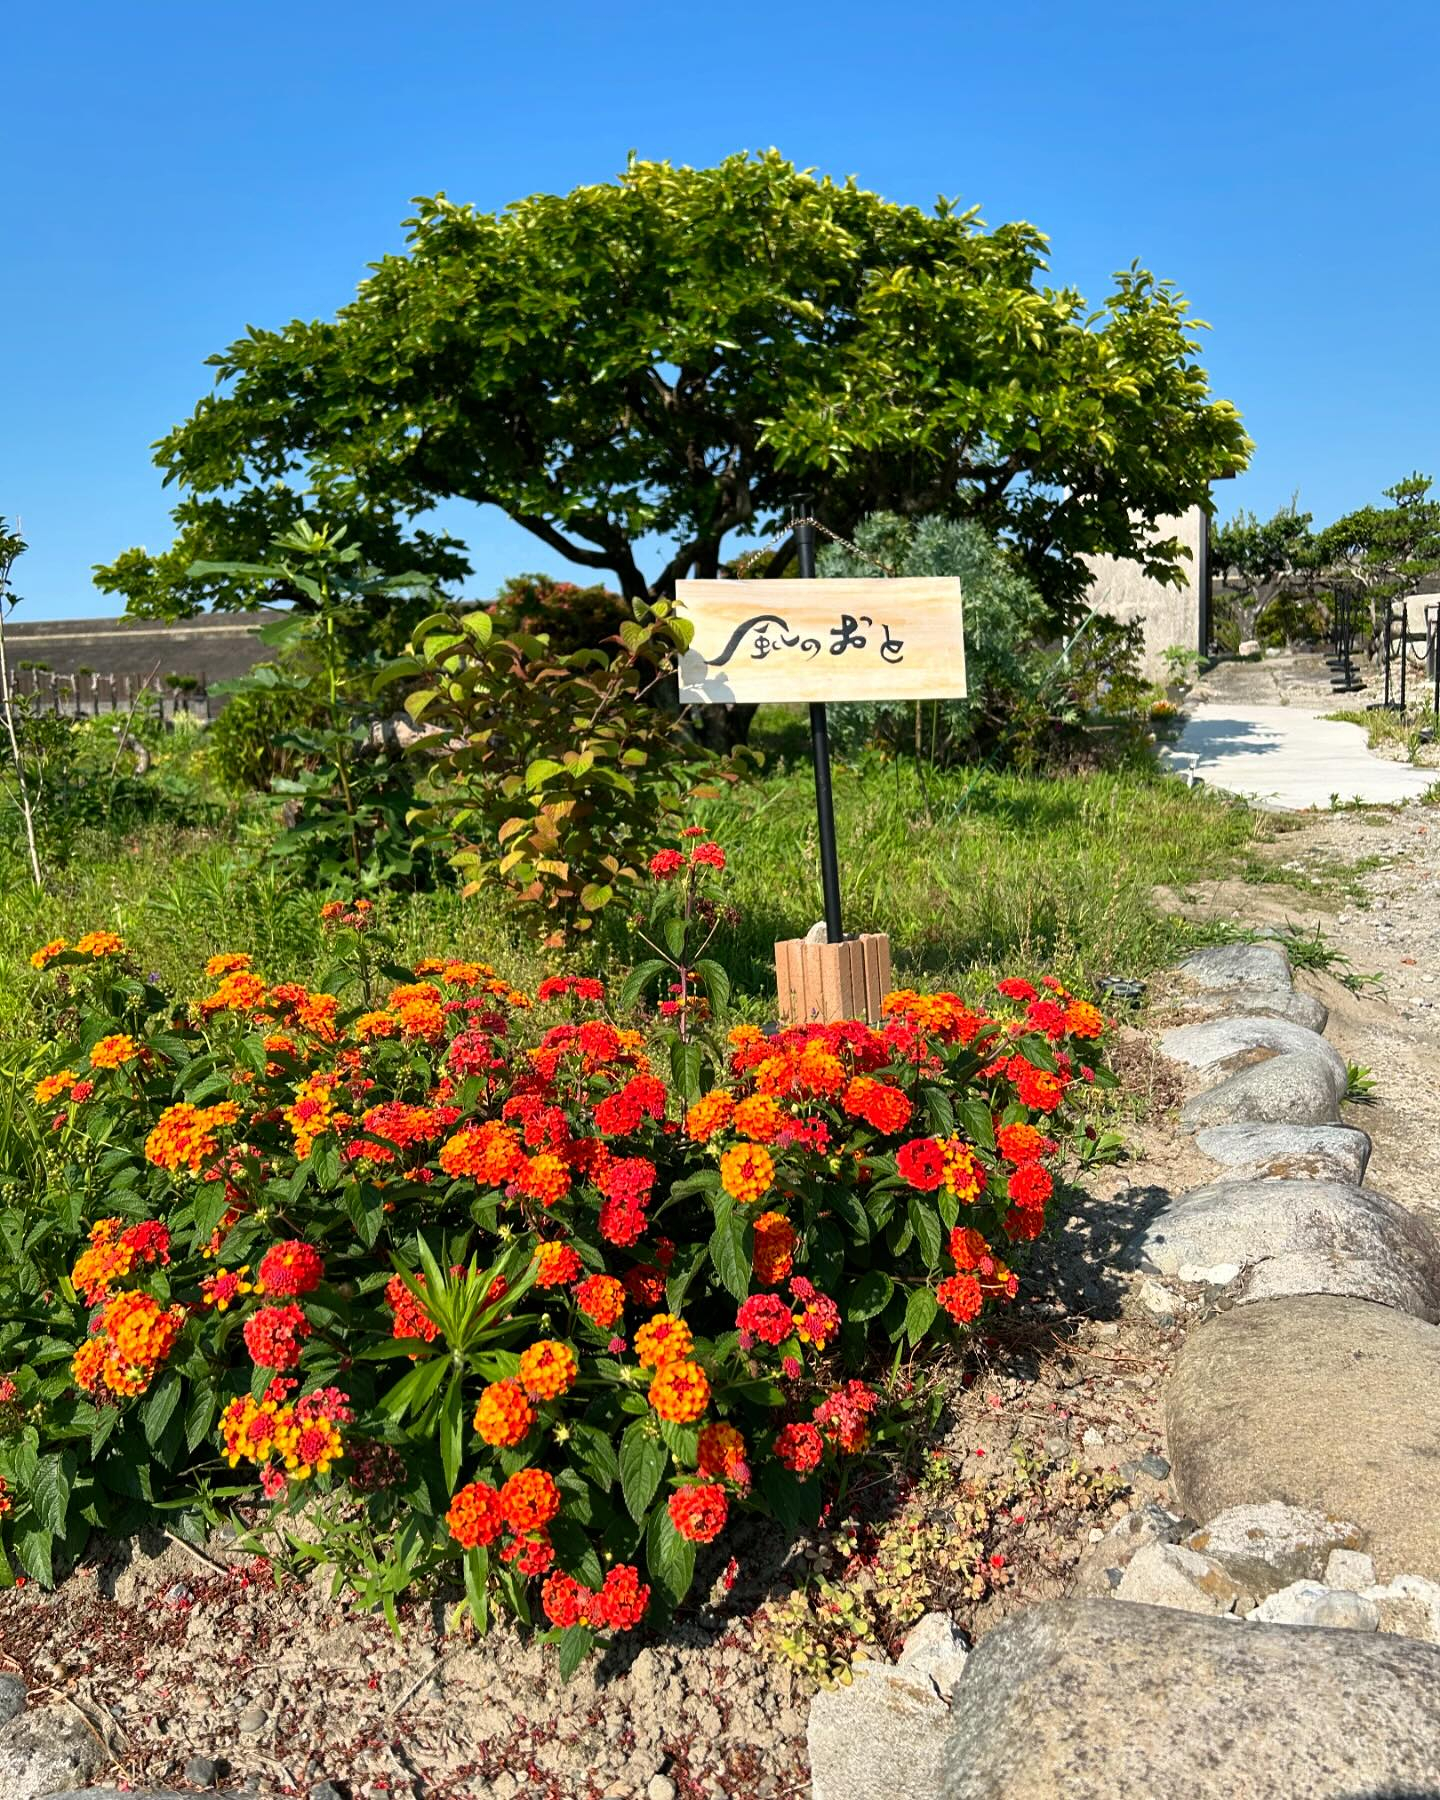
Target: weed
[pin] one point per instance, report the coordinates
(1359, 1085)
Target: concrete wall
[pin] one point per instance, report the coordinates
(1171, 615)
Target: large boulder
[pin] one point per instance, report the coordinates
(1297, 1237)
(883, 1734)
(1230, 966)
(45, 1751)
(1319, 1401)
(1268, 1545)
(1269, 1003)
(1295, 1088)
(1092, 1700)
(1314, 1152)
(1225, 1046)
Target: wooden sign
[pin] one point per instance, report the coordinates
(900, 639)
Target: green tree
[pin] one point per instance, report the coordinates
(1264, 558)
(675, 353)
(1387, 549)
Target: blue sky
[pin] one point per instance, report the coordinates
(175, 172)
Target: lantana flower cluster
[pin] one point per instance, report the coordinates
(470, 1252)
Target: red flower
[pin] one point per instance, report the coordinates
(698, 1512)
(665, 864)
(273, 1336)
(290, 1268)
(1014, 987)
(922, 1163)
(764, 1316)
(711, 855)
(1031, 1185)
(960, 1296)
(799, 1447)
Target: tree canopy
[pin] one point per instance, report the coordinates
(680, 351)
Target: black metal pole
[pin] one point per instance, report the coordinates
(820, 745)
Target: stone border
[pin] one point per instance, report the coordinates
(1300, 1439)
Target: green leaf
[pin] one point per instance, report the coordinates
(975, 1120)
(158, 1405)
(716, 982)
(32, 1548)
(325, 1162)
(477, 1589)
(452, 1430)
(920, 1311)
(642, 1463)
(730, 1252)
(670, 1557)
(927, 1229)
(939, 1113)
(869, 1295)
(50, 1492)
(675, 936)
(541, 770)
(576, 1643)
(685, 1066)
(597, 1453)
(199, 1414)
(638, 981)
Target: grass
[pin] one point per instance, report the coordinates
(1409, 731)
(972, 874)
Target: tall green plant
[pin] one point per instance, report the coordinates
(350, 806)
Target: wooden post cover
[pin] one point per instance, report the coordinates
(825, 982)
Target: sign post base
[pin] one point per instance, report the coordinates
(820, 983)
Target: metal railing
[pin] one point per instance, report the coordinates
(89, 694)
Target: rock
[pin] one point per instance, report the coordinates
(325, 1790)
(1158, 1301)
(1298, 1237)
(1103, 1562)
(1409, 1606)
(1296, 1088)
(1225, 1046)
(881, 1736)
(936, 1651)
(1229, 966)
(1267, 1546)
(253, 1719)
(12, 1698)
(1170, 1575)
(1092, 1700)
(1155, 1466)
(1322, 1402)
(1317, 1152)
(1349, 1571)
(1267, 1003)
(1309, 1603)
(1218, 1275)
(44, 1752)
(660, 1787)
(1092, 1437)
(200, 1772)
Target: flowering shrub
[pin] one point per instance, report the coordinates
(462, 1255)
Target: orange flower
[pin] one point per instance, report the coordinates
(680, 1392)
(112, 1051)
(548, 1369)
(372, 1025)
(555, 1264)
(100, 943)
(964, 1174)
(475, 1516)
(491, 1153)
(49, 1086)
(184, 1135)
(665, 1339)
(759, 1118)
(529, 1500)
(316, 1014)
(226, 963)
(774, 1248)
(721, 1451)
(545, 1178)
(708, 1115)
(747, 1171)
(239, 991)
(47, 953)
(602, 1299)
(503, 1416)
(1083, 1020)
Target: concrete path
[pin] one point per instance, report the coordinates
(1289, 758)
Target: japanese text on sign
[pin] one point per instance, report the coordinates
(823, 640)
